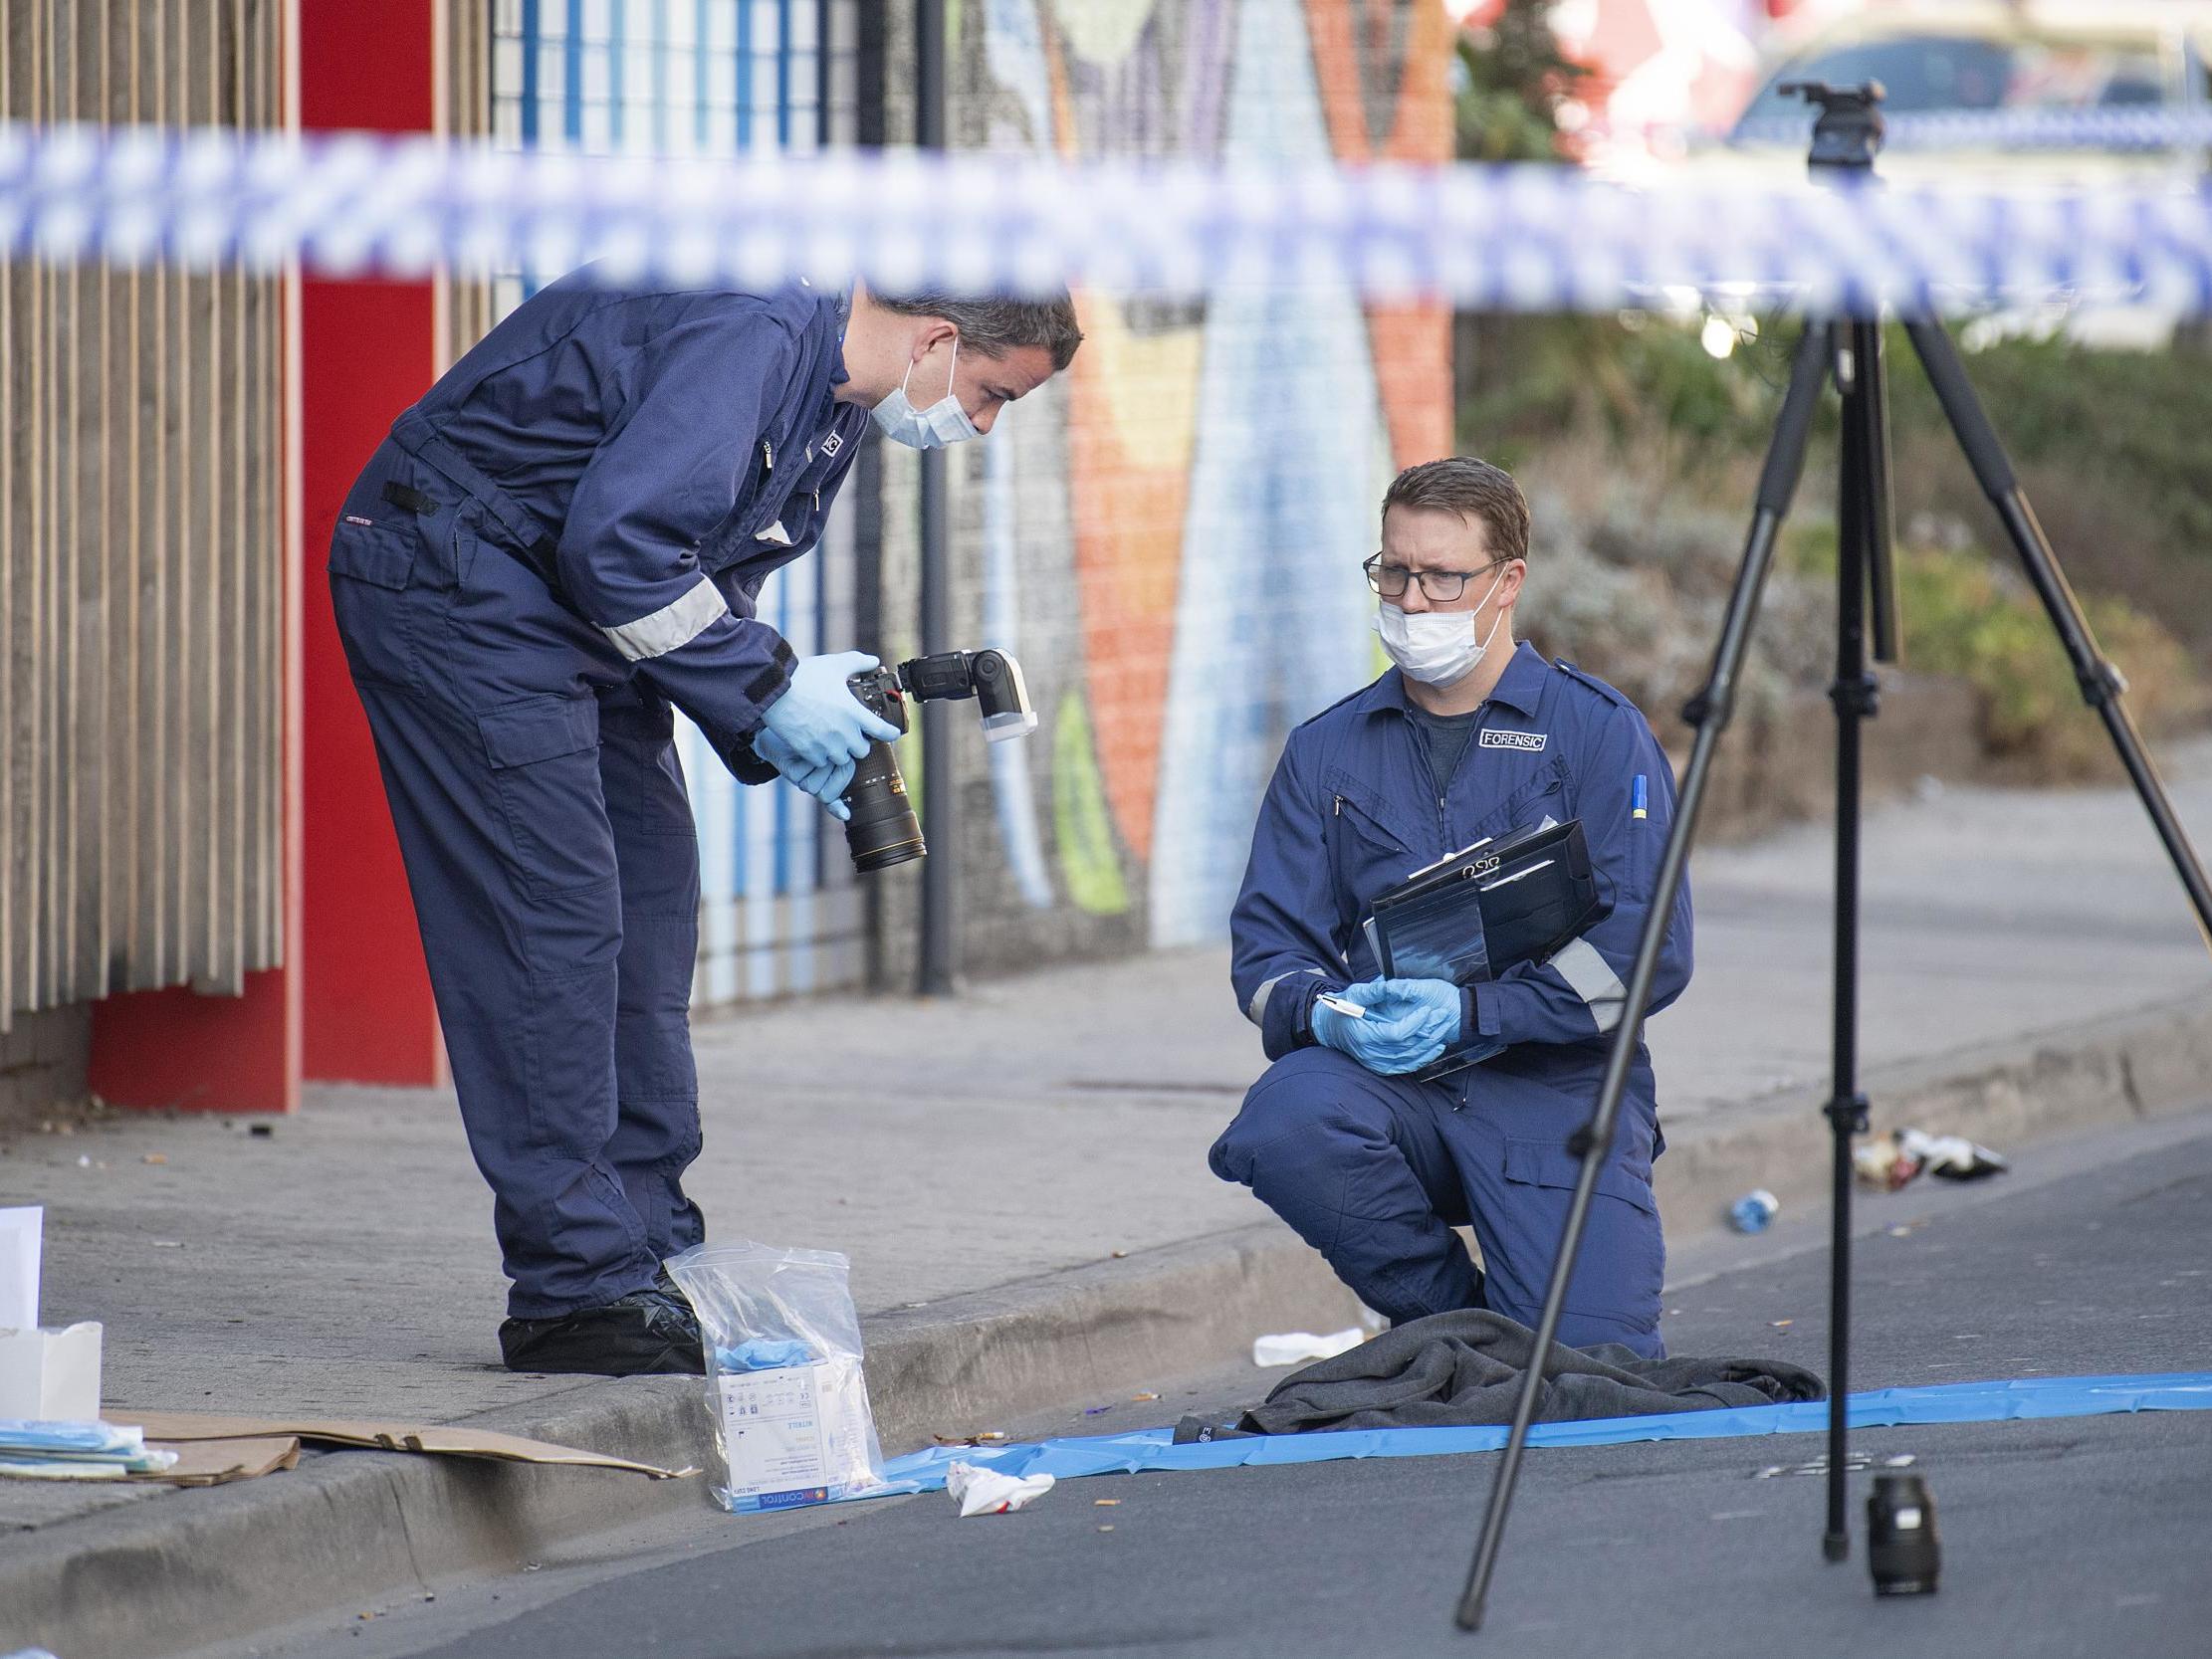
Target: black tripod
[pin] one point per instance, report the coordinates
(1846, 139)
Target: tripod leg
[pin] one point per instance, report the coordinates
(1708, 713)
(2102, 685)
(1863, 552)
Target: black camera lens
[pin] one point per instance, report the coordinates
(882, 830)
(1902, 1549)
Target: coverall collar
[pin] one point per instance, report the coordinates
(838, 373)
(1521, 687)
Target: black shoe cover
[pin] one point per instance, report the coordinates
(647, 1332)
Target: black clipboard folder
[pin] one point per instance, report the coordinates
(1488, 906)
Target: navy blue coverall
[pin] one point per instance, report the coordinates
(1373, 1171)
(561, 540)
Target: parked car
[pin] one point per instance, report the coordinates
(2001, 56)
(1970, 57)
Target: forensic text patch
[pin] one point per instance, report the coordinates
(1513, 739)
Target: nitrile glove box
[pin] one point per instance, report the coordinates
(50, 1377)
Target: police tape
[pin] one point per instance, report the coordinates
(2122, 127)
(1523, 237)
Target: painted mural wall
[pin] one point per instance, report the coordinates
(1170, 535)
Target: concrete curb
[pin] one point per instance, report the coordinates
(186, 1569)
(2082, 1077)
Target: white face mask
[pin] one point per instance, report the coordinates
(1438, 648)
(943, 422)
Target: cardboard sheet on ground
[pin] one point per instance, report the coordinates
(218, 1462)
(179, 1429)
(1950, 1402)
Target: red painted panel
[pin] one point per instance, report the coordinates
(368, 349)
(353, 999)
(366, 352)
(175, 1048)
(370, 67)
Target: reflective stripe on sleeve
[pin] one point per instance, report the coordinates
(1256, 1009)
(672, 625)
(1591, 978)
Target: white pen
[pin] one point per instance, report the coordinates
(1349, 1010)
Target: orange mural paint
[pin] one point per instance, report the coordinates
(1412, 344)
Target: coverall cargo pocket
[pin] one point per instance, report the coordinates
(381, 553)
(371, 568)
(568, 1035)
(1366, 853)
(1544, 1163)
(1623, 1262)
(545, 759)
(1542, 796)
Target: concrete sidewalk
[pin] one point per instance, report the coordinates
(2033, 944)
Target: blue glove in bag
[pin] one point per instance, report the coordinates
(783, 1375)
(764, 1355)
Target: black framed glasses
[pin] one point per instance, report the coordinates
(1441, 587)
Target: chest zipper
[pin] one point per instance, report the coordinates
(1443, 817)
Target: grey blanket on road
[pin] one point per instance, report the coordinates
(1451, 1370)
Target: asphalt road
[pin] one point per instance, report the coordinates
(2086, 1534)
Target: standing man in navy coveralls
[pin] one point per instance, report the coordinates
(560, 542)
(1468, 737)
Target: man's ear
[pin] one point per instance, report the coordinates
(935, 331)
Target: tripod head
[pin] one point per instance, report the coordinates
(1847, 135)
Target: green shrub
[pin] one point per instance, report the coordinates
(1964, 613)
(2111, 446)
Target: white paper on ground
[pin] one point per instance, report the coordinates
(51, 1375)
(19, 1231)
(988, 1492)
(1297, 1348)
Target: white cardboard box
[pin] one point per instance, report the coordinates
(51, 1375)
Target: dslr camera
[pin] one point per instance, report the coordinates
(883, 830)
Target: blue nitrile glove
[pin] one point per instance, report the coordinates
(820, 720)
(764, 1353)
(1438, 1003)
(1408, 1023)
(826, 784)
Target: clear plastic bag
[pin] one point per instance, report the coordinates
(784, 1383)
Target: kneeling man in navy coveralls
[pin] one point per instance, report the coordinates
(1471, 735)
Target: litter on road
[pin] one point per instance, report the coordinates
(1297, 1348)
(1752, 1212)
(1894, 1159)
(988, 1492)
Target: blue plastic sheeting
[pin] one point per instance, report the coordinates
(1949, 1403)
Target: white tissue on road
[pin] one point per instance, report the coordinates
(1295, 1347)
(986, 1492)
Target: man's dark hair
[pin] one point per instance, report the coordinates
(1471, 488)
(998, 326)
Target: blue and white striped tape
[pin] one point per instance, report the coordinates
(1528, 238)
(2145, 127)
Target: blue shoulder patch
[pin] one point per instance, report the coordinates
(1594, 683)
